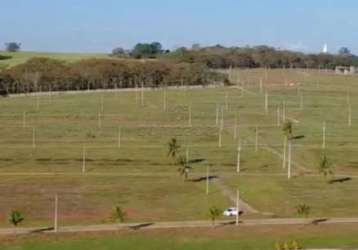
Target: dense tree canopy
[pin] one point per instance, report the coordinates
(12, 46)
(44, 74)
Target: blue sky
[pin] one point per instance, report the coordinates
(100, 25)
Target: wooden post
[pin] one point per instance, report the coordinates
(37, 102)
(102, 104)
(222, 119)
(207, 180)
(220, 142)
(301, 102)
(33, 137)
(235, 129)
(284, 152)
(119, 137)
(142, 95)
(227, 101)
(324, 135)
(165, 100)
(24, 119)
(84, 160)
(189, 116)
(217, 114)
(55, 222)
(266, 102)
(187, 154)
(238, 159)
(136, 94)
(99, 120)
(261, 85)
(349, 115)
(237, 207)
(289, 158)
(257, 140)
(278, 117)
(284, 112)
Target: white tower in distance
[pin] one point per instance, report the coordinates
(325, 48)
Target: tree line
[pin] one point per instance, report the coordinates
(262, 56)
(45, 74)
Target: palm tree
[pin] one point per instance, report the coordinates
(16, 218)
(303, 210)
(214, 213)
(173, 148)
(118, 214)
(184, 167)
(325, 168)
(287, 128)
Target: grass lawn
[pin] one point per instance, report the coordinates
(228, 238)
(53, 134)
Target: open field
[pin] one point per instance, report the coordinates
(23, 56)
(98, 150)
(245, 238)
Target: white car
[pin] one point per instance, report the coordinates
(231, 212)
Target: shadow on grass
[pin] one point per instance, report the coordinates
(318, 221)
(200, 179)
(140, 226)
(340, 180)
(42, 230)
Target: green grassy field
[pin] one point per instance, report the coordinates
(228, 238)
(23, 56)
(44, 139)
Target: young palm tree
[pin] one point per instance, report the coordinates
(119, 214)
(184, 167)
(16, 218)
(214, 214)
(173, 148)
(287, 129)
(303, 210)
(325, 168)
